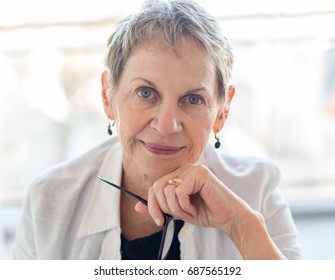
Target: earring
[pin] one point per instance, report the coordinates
(109, 129)
(217, 143)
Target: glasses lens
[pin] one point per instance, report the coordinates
(167, 237)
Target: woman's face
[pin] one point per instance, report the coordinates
(164, 107)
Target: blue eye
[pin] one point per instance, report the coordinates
(193, 99)
(145, 92)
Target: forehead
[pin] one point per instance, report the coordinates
(188, 58)
(184, 47)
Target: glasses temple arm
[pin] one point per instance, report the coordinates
(125, 191)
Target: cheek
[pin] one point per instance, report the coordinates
(199, 130)
(127, 140)
(199, 141)
(127, 124)
(203, 123)
(125, 127)
(124, 118)
(130, 124)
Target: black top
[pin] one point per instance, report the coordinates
(146, 248)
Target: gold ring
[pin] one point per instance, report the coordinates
(175, 181)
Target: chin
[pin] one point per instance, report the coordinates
(157, 171)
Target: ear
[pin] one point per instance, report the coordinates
(223, 112)
(106, 95)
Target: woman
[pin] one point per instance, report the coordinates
(166, 88)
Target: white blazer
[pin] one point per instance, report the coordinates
(70, 214)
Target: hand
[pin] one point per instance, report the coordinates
(200, 199)
(203, 200)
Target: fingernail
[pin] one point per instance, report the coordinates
(158, 222)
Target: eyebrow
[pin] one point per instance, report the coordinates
(145, 80)
(152, 84)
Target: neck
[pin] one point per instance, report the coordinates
(135, 182)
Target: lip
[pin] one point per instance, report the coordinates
(159, 149)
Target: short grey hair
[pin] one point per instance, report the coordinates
(169, 21)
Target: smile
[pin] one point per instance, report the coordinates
(161, 149)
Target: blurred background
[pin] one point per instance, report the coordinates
(51, 58)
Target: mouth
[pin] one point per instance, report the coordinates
(158, 149)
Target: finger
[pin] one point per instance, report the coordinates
(185, 204)
(141, 208)
(192, 190)
(159, 192)
(178, 173)
(173, 204)
(179, 202)
(154, 209)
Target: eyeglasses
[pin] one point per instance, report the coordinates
(169, 223)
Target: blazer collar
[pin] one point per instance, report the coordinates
(103, 210)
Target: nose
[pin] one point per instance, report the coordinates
(167, 119)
